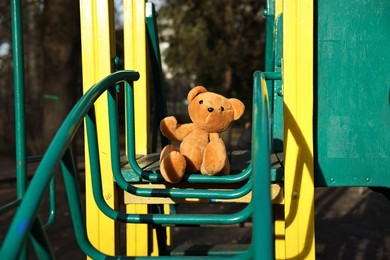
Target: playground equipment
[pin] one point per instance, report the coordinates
(318, 61)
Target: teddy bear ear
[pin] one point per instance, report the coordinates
(195, 91)
(238, 107)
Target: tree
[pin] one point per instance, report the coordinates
(51, 32)
(62, 58)
(218, 44)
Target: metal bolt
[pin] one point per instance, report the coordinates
(107, 195)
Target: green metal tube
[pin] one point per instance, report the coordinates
(10, 205)
(52, 198)
(20, 135)
(19, 104)
(28, 209)
(269, 13)
(115, 162)
(272, 75)
(97, 186)
(40, 242)
(262, 217)
(190, 178)
(78, 219)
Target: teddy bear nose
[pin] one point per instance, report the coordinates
(210, 109)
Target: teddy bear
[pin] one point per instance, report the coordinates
(201, 148)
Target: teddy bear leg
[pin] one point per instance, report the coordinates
(214, 158)
(166, 150)
(172, 164)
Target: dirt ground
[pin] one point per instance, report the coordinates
(351, 223)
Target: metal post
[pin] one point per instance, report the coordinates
(20, 136)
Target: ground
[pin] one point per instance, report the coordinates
(351, 223)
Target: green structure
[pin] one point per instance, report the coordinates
(352, 86)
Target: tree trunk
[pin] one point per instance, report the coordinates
(33, 75)
(62, 71)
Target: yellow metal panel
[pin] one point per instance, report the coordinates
(97, 52)
(137, 234)
(298, 114)
(135, 59)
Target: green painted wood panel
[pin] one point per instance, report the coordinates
(352, 93)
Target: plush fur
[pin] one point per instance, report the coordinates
(201, 148)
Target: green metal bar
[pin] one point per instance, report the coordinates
(10, 205)
(40, 241)
(262, 217)
(78, 219)
(52, 198)
(190, 178)
(176, 193)
(157, 218)
(276, 96)
(20, 135)
(19, 104)
(269, 13)
(34, 158)
(28, 208)
(27, 212)
(272, 75)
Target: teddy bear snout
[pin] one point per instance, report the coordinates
(210, 109)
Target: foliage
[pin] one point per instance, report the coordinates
(218, 44)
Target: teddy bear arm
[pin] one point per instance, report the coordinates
(174, 131)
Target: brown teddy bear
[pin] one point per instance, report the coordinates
(201, 148)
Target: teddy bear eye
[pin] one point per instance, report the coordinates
(222, 109)
(201, 102)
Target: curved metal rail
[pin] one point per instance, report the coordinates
(26, 221)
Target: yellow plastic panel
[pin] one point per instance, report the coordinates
(279, 222)
(280, 243)
(134, 30)
(298, 114)
(137, 234)
(278, 7)
(97, 38)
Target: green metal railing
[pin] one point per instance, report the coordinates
(20, 135)
(26, 222)
(20, 127)
(27, 211)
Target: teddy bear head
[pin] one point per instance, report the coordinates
(211, 111)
